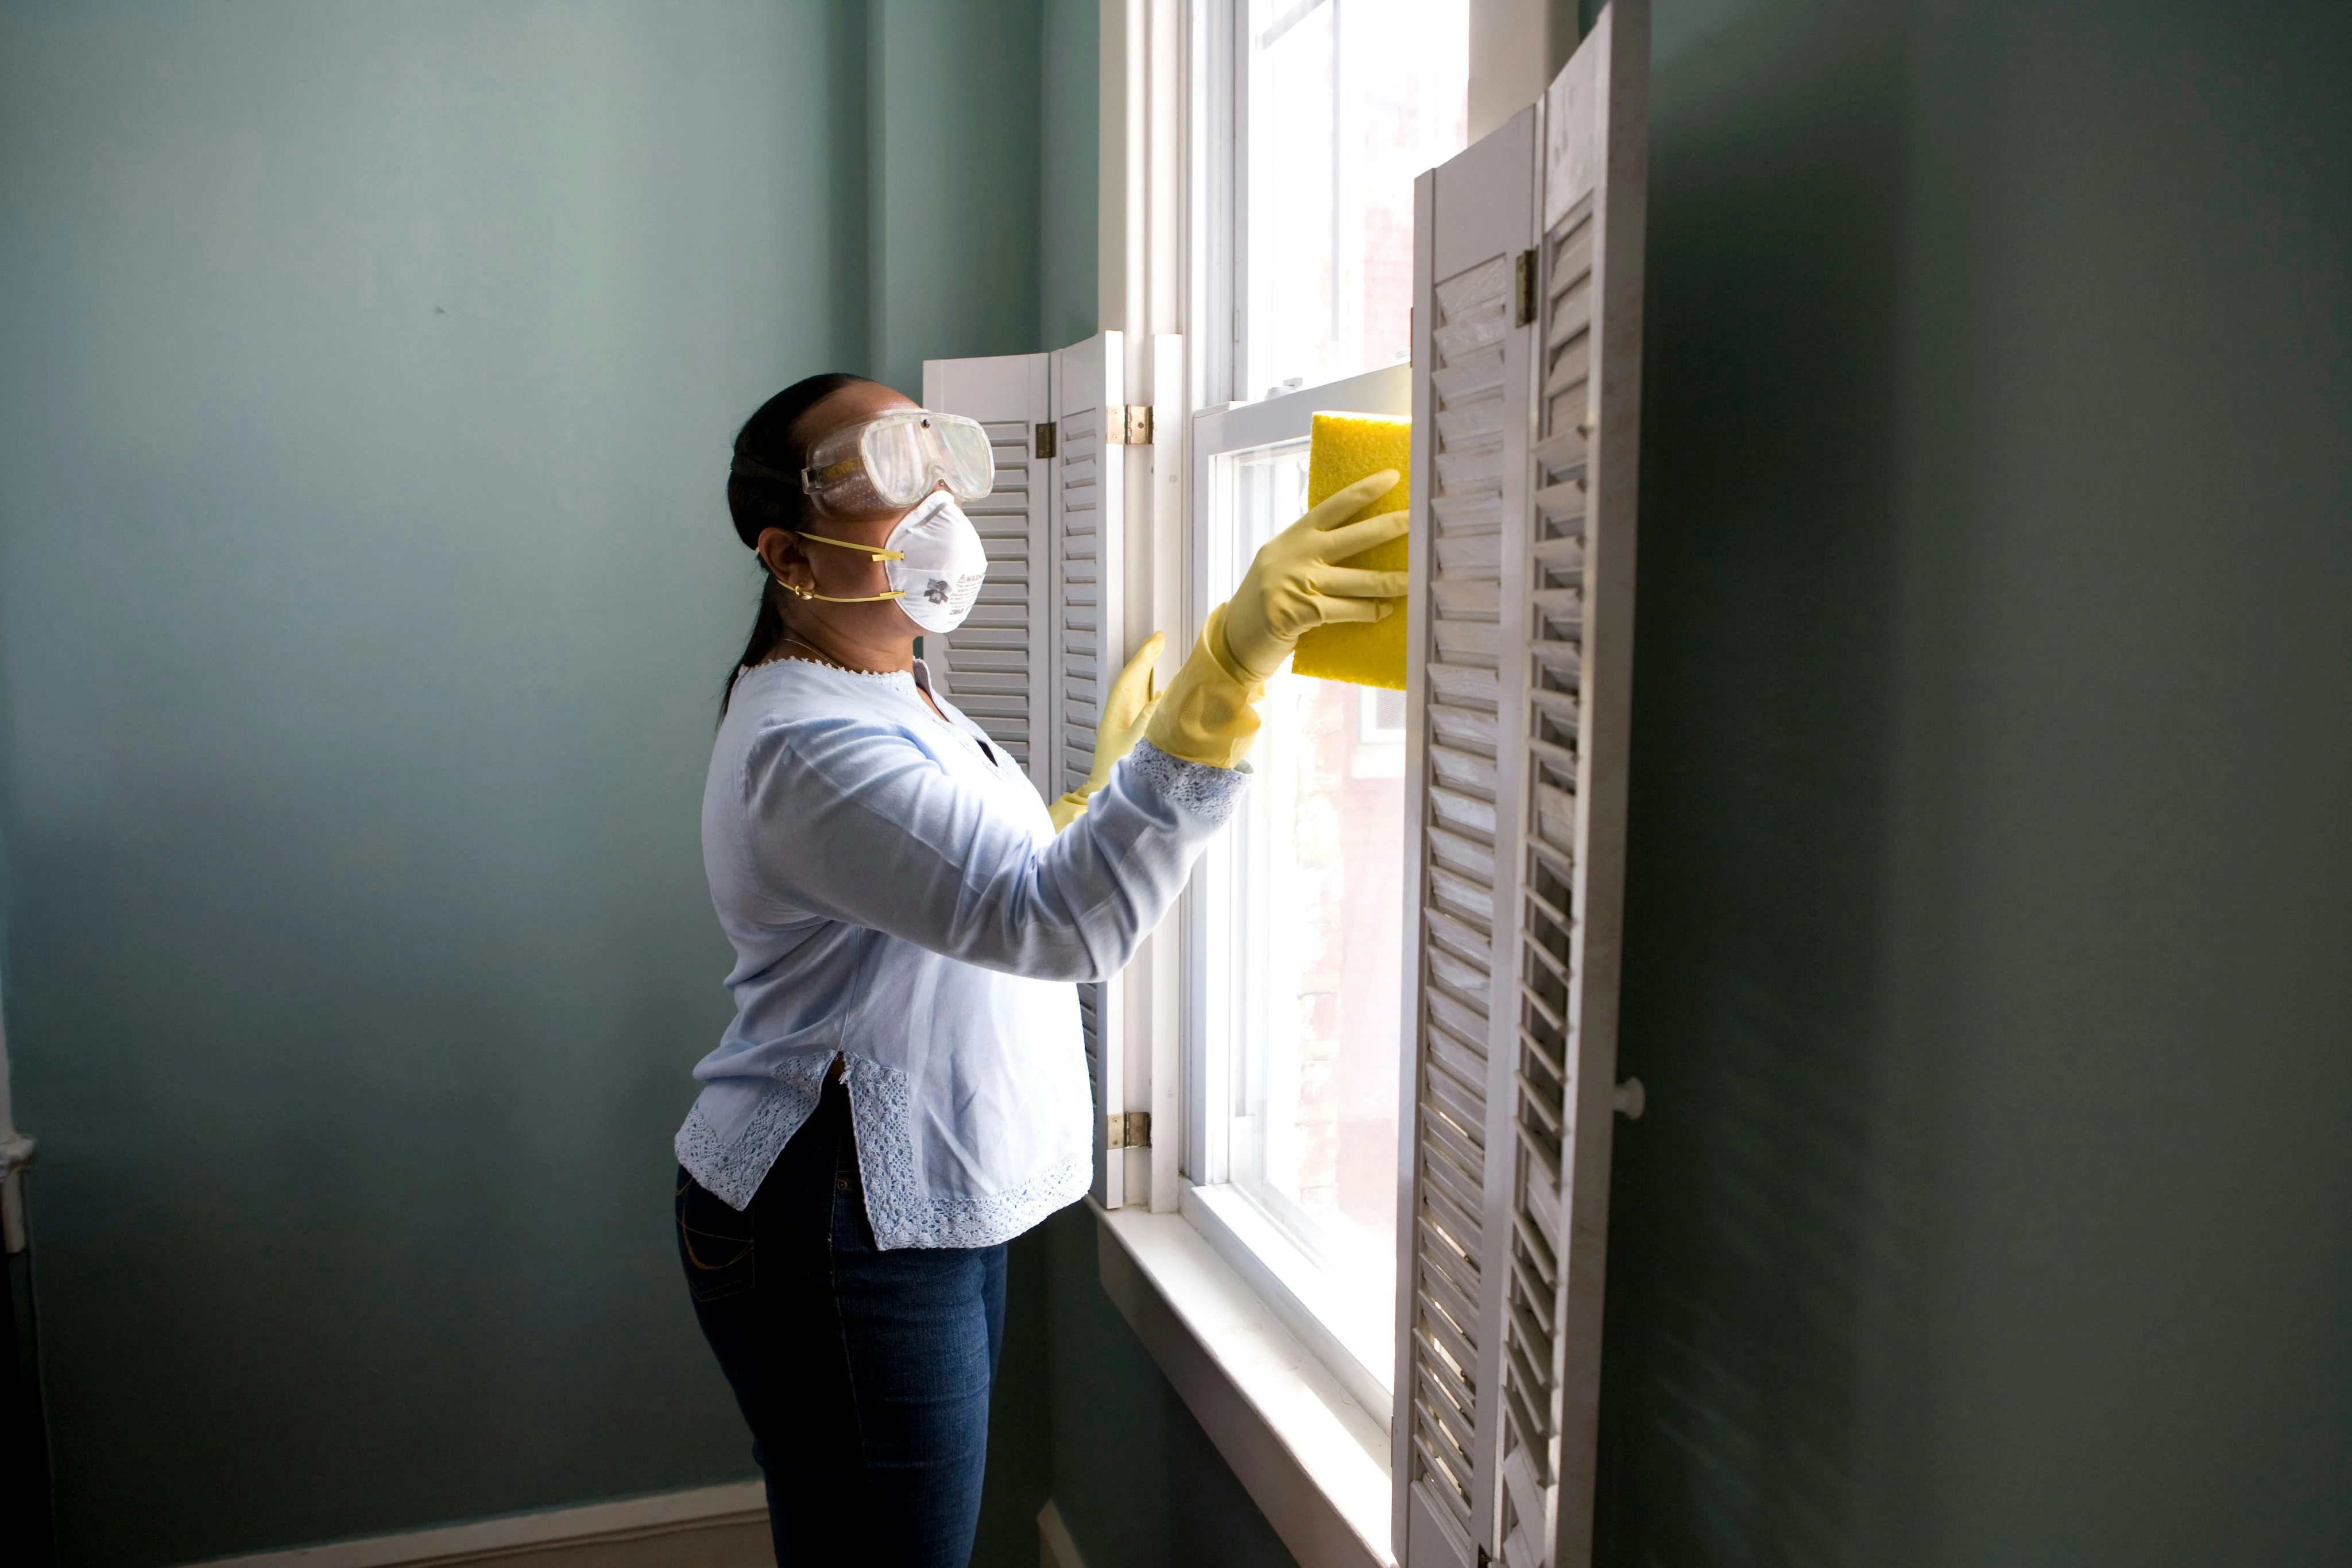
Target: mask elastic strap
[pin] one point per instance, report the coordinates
(851, 599)
(838, 599)
(844, 544)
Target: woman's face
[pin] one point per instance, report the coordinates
(841, 573)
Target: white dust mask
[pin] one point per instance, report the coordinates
(934, 562)
(940, 564)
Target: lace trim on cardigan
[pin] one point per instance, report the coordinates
(732, 1170)
(881, 1105)
(881, 1102)
(1195, 788)
(886, 677)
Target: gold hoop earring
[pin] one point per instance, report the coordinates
(796, 591)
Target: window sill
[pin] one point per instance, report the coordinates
(1304, 1298)
(1312, 1457)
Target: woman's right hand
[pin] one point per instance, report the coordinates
(1292, 585)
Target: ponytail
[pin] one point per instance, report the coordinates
(767, 635)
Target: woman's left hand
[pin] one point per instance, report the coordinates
(1126, 711)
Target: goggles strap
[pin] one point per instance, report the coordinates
(815, 480)
(752, 470)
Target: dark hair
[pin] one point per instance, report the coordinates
(763, 492)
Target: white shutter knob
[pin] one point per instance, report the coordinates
(1629, 1098)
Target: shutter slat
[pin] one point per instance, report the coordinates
(1462, 1140)
(1480, 512)
(983, 657)
(1450, 1403)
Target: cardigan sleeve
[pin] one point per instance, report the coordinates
(852, 821)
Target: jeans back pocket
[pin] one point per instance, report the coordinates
(714, 1243)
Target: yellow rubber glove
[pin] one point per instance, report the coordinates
(1127, 709)
(1292, 586)
(1205, 716)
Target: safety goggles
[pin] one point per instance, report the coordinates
(896, 460)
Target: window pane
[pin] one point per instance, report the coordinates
(1322, 949)
(1348, 101)
(1315, 937)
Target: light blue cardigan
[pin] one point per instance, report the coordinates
(897, 896)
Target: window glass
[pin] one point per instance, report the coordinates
(1314, 936)
(1348, 101)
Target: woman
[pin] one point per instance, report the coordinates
(904, 1088)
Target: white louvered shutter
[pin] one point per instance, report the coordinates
(994, 665)
(1524, 605)
(1085, 639)
(1576, 727)
(1471, 371)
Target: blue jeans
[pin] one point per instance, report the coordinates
(864, 1374)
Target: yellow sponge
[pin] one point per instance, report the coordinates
(1344, 448)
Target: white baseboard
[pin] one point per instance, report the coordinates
(1054, 1547)
(710, 1527)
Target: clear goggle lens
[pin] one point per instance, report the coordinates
(893, 462)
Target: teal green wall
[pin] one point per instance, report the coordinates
(1989, 891)
(1071, 152)
(954, 162)
(365, 585)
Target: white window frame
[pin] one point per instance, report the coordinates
(1217, 72)
(1236, 1335)
(1227, 418)
(1293, 1284)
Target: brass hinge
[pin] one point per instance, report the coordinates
(1130, 426)
(1046, 441)
(1131, 1130)
(1527, 289)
